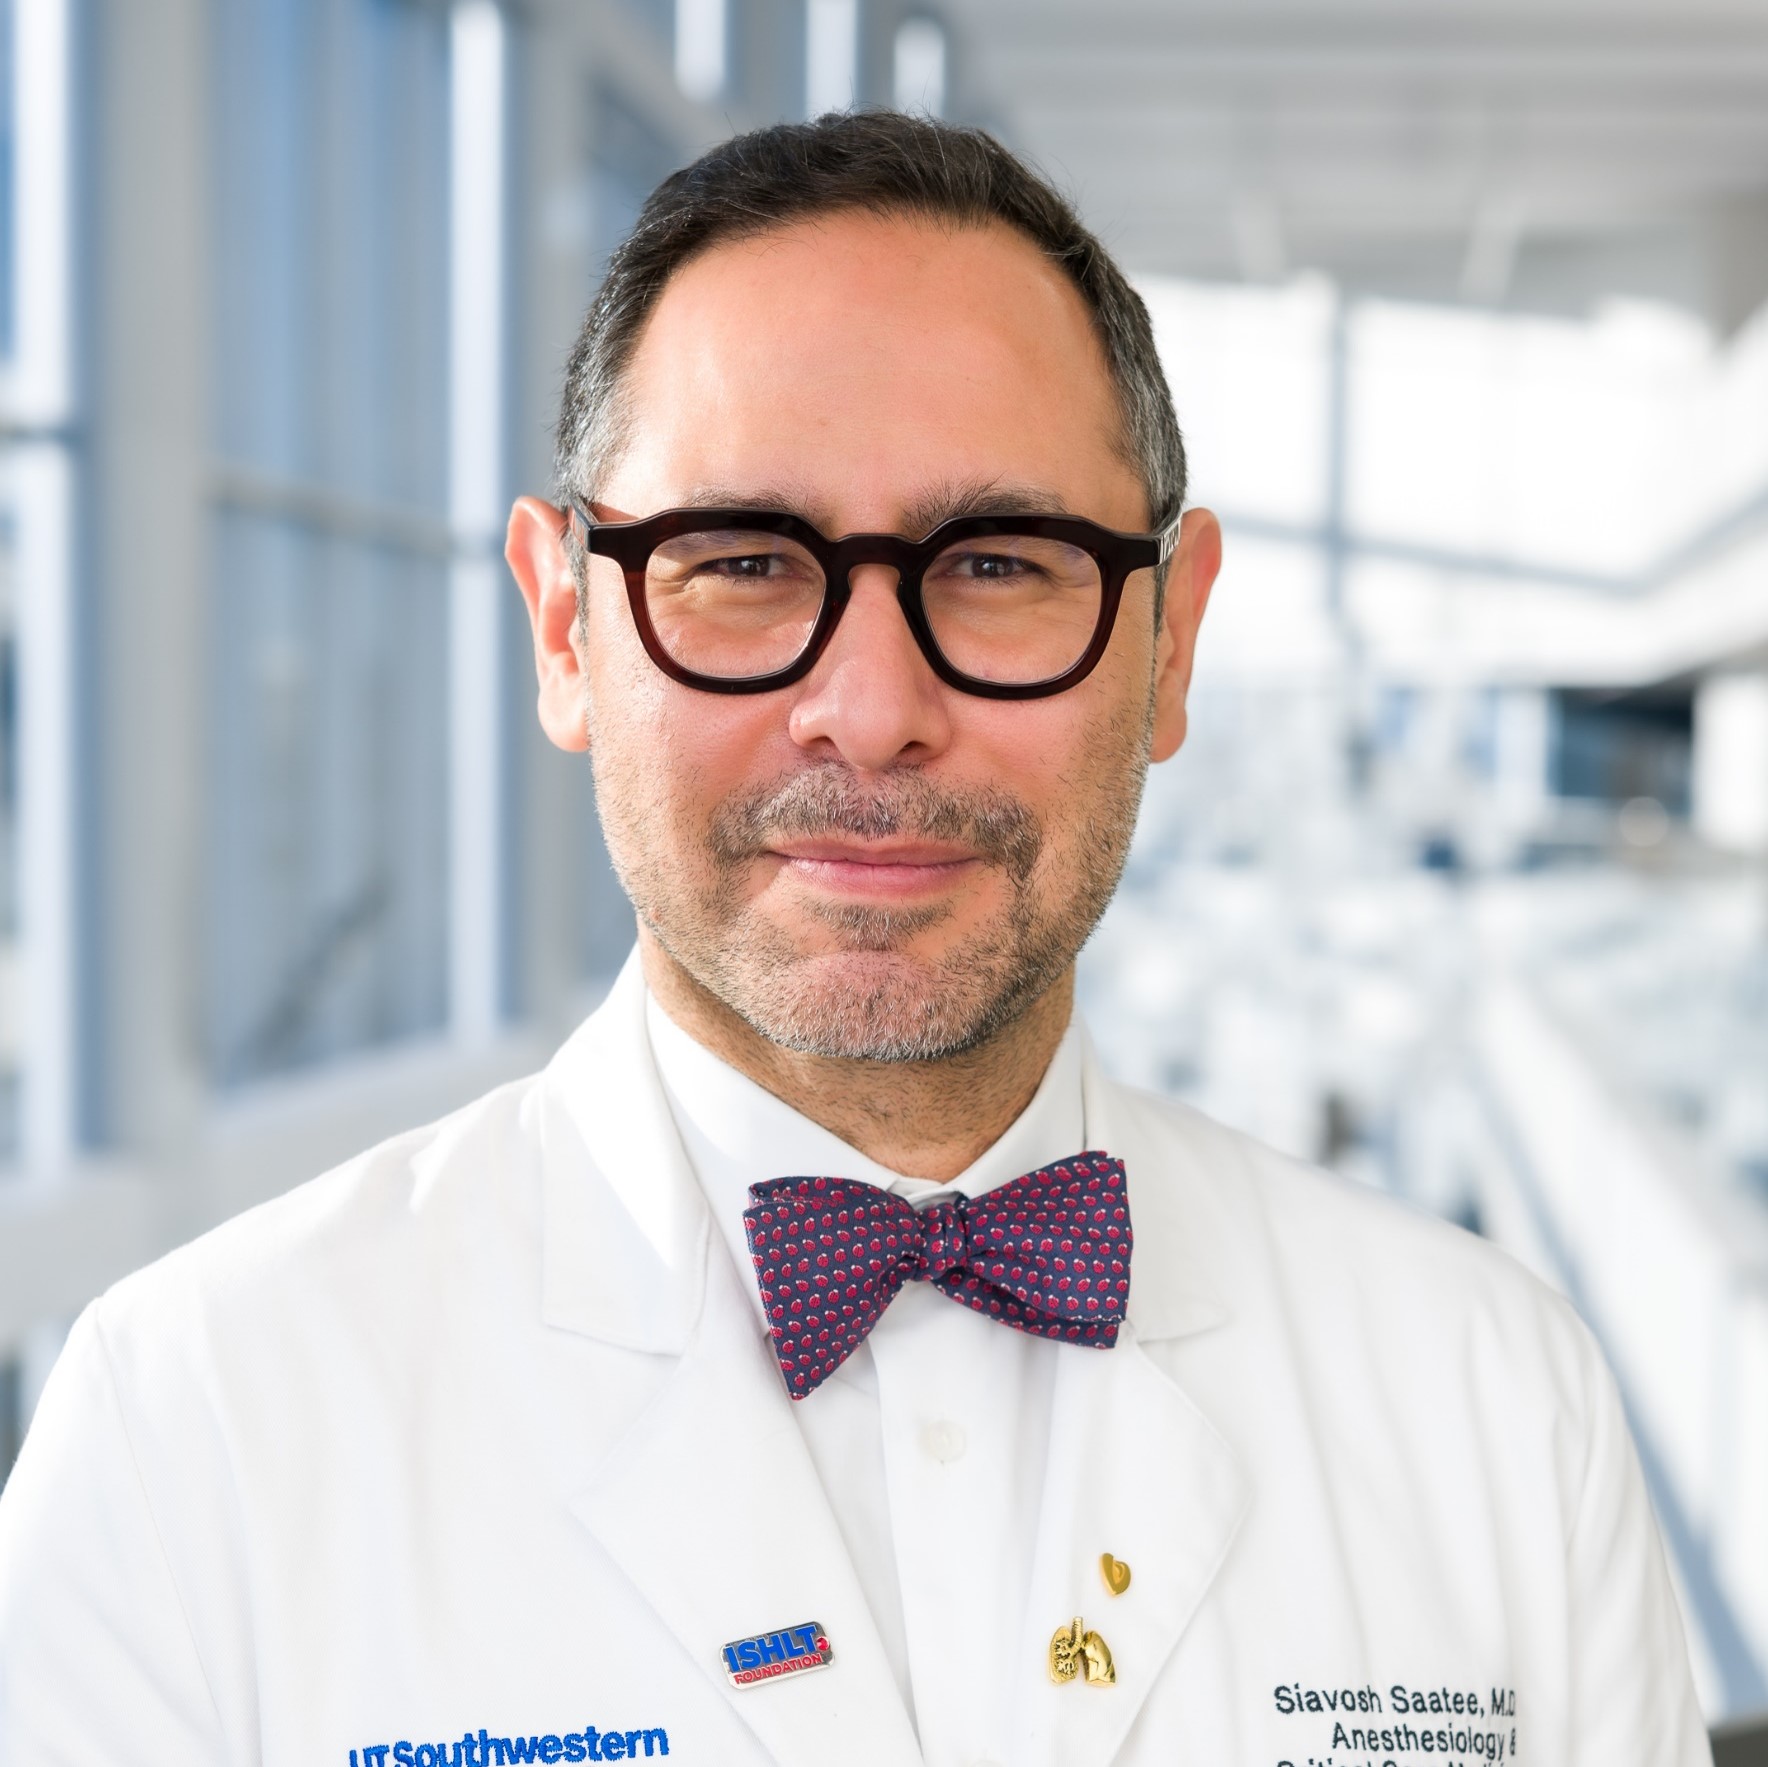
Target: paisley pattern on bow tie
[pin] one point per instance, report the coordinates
(1048, 1253)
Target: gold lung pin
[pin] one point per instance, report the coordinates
(1115, 1572)
(1073, 1651)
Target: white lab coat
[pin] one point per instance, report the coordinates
(477, 1437)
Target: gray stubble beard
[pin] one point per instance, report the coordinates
(873, 1002)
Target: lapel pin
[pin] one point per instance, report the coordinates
(768, 1655)
(1115, 1572)
(1074, 1652)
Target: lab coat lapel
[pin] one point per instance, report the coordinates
(1134, 1469)
(709, 1503)
(625, 1226)
(713, 1509)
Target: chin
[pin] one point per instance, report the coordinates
(866, 1005)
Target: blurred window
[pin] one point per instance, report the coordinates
(9, 1052)
(918, 71)
(36, 475)
(327, 927)
(1458, 885)
(9, 1077)
(12, 1415)
(764, 56)
(331, 165)
(831, 55)
(629, 158)
(1624, 748)
(657, 16)
(700, 47)
(6, 161)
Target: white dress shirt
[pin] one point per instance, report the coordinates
(930, 1439)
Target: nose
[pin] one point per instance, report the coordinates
(871, 698)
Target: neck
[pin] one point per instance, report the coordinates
(924, 1119)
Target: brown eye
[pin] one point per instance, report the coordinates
(994, 564)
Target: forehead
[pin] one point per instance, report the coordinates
(863, 352)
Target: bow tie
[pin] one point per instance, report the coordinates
(1048, 1253)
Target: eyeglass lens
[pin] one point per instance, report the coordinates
(1008, 608)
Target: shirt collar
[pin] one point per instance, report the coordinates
(737, 1133)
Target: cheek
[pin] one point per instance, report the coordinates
(1064, 751)
(606, 629)
(625, 703)
(665, 756)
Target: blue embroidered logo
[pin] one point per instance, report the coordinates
(485, 1750)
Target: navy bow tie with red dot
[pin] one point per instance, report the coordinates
(1048, 1253)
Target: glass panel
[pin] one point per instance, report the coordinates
(630, 159)
(329, 923)
(9, 1002)
(765, 57)
(332, 211)
(12, 1415)
(8, 198)
(831, 56)
(326, 921)
(918, 70)
(700, 47)
(1625, 748)
(657, 16)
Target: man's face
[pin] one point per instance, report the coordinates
(869, 863)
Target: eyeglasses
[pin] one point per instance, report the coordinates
(746, 600)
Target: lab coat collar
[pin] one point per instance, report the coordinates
(625, 1226)
(1174, 1213)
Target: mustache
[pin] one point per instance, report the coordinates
(830, 800)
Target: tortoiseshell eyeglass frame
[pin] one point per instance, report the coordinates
(631, 543)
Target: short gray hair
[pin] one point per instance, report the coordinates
(885, 163)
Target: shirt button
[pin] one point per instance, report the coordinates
(944, 1441)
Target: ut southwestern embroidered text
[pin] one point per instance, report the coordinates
(485, 1750)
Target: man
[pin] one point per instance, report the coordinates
(780, 1325)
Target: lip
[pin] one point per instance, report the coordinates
(874, 868)
(852, 852)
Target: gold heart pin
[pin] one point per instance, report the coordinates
(1115, 1572)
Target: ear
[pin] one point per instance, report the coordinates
(1189, 578)
(535, 549)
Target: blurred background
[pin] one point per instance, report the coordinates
(1461, 884)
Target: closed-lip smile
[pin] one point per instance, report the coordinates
(888, 867)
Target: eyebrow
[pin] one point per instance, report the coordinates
(924, 511)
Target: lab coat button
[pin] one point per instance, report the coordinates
(944, 1441)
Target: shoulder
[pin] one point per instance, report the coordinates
(397, 1220)
(1348, 1273)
